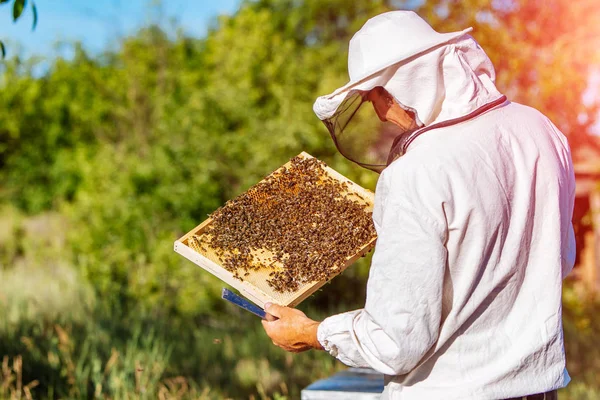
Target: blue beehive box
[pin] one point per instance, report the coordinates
(354, 383)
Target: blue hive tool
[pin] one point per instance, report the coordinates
(245, 304)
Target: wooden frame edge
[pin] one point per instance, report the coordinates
(251, 292)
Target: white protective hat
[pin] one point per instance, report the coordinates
(435, 76)
(384, 40)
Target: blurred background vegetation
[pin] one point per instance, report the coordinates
(106, 159)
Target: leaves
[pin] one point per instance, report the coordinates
(540, 60)
(35, 16)
(18, 8)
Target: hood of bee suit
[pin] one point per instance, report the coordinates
(439, 77)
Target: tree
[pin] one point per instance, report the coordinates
(544, 51)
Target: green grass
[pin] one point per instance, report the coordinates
(140, 355)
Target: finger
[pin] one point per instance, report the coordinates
(270, 318)
(266, 326)
(274, 309)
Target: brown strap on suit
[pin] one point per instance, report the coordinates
(552, 395)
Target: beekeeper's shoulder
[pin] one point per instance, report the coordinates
(418, 176)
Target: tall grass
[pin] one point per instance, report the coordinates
(121, 356)
(61, 340)
(11, 380)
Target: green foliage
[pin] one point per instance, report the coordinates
(542, 61)
(17, 11)
(581, 332)
(18, 7)
(35, 16)
(105, 160)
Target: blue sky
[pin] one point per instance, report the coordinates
(99, 23)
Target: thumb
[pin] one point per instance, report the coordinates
(274, 309)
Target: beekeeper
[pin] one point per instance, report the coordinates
(473, 214)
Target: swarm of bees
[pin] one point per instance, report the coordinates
(299, 223)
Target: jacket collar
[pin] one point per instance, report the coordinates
(401, 143)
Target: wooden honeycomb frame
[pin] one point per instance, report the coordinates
(254, 286)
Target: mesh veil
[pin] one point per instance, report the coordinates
(360, 135)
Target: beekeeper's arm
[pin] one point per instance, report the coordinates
(401, 318)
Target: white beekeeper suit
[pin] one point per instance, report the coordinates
(473, 217)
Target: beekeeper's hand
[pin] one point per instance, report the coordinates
(291, 329)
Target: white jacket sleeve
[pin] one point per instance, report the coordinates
(568, 249)
(402, 315)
